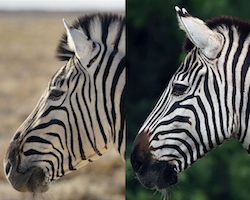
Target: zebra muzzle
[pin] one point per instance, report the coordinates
(157, 175)
(153, 174)
(34, 179)
(30, 178)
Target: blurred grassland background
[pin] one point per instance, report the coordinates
(154, 53)
(28, 41)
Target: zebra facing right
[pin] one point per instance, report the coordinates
(205, 103)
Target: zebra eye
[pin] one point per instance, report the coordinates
(93, 45)
(179, 89)
(55, 94)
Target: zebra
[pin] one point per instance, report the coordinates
(80, 116)
(205, 103)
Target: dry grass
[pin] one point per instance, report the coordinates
(27, 62)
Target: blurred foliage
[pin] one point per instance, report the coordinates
(154, 53)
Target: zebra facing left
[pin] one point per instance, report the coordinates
(80, 116)
(205, 103)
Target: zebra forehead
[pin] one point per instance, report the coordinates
(242, 26)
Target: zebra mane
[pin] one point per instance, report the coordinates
(242, 26)
(96, 27)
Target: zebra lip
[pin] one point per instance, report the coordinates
(33, 180)
(158, 176)
(38, 181)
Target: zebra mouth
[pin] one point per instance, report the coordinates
(159, 175)
(34, 179)
(38, 181)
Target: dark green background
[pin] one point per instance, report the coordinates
(154, 52)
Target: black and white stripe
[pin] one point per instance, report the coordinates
(80, 116)
(205, 103)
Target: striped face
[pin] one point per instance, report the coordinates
(192, 115)
(78, 118)
(178, 131)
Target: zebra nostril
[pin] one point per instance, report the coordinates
(136, 166)
(7, 168)
(140, 154)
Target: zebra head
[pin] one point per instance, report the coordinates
(200, 107)
(79, 116)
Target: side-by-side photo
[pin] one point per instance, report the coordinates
(115, 100)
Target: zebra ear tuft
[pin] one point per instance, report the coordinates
(77, 41)
(209, 41)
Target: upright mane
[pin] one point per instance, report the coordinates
(242, 26)
(96, 27)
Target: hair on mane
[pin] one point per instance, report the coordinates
(84, 24)
(242, 26)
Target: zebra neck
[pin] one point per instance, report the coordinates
(235, 75)
(105, 90)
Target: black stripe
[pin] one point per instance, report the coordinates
(178, 149)
(74, 115)
(247, 118)
(217, 92)
(118, 37)
(122, 122)
(235, 61)
(115, 80)
(58, 136)
(105, 76)
(205, 115)
(244, 69)
(95, 57)
(230, 35)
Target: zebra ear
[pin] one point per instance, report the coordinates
(200, 35)
(77, 41)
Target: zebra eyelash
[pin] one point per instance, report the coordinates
(179, 89)
(55, 94)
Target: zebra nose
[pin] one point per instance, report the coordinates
(141, 158)
(10, 159)
(29, 177)
(140, 152)
(7, 168)
(150, 172)
(137, 161)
